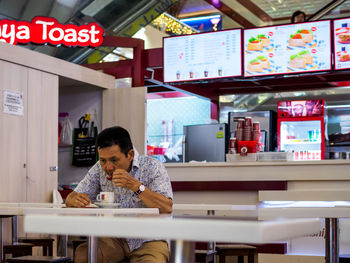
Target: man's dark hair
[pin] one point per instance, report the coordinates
(296, 13)
(115, 136)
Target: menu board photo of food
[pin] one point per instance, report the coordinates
(285, 49)
(341, 32)
(202, 56)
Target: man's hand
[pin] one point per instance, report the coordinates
(122, 178)
(75, 199)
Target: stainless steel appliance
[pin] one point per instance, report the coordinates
(268, 125)
(206, 142)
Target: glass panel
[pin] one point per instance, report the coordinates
(303, 138)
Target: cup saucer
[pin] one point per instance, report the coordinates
(107, 205)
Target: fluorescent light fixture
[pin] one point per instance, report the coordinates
(67, 3)
(337, 106)
(240, 110)
(95, 7)
(200, 18)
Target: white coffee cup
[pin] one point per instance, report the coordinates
(105, 197)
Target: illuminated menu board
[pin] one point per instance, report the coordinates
(293, 48)
(341, 31)
(202, 56)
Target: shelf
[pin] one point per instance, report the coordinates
(339, 144)
(172, 135)
(297, 143)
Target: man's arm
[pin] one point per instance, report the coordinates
(122, 178)
(153, 199)
(75, 199)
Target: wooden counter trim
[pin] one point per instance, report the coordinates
(228, 185)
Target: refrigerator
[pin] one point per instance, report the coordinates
(206, 142)
(268, 126)
(301, 128)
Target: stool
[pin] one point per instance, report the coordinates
(204, 256)
(17, 249)
(39, 259)
(236, 250)
(76, 243)
(45, 242)
(344, 258)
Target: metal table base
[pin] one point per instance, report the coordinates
(332, 240)
(92, 249)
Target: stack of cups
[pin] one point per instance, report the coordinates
(239, 131)
(247, 130)
(256, 133)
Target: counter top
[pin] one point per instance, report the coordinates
(257, 163)
(260, 171)
(304, 210)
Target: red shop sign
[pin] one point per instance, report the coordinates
(46, 30)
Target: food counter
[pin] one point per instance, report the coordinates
(252, 182)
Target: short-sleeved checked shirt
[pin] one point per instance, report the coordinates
(145, 169)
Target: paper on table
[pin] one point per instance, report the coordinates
(91, 206)
(56, 197)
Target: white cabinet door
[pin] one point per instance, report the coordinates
(126, 107)
(42, 135)
(13, 134)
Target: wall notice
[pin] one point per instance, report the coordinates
(13, 102)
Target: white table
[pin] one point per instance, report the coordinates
(246, 211)
(21, 209)
(179, 229)
(331, 211)
(13, 210)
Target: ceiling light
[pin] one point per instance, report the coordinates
(200, 18)
(215, 2)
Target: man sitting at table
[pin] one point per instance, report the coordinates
(137, 181)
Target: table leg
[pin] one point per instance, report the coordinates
(1, 242)
(182, 251)
(211, 244)
(62, 247)
(92, 249)
(332, 240)
(14, 230)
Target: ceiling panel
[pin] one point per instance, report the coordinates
(243, 11)
(36, 8)
(12, 9)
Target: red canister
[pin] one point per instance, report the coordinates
(233, 142)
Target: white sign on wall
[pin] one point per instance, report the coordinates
(12, 102)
